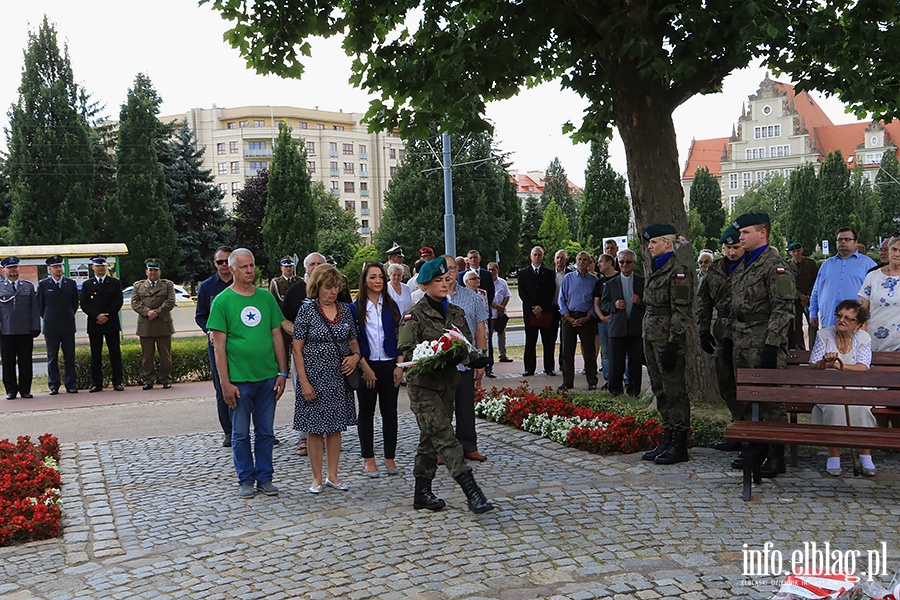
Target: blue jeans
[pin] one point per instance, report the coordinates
(603, 331)
(257, 401)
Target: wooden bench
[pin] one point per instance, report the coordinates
(798, 386)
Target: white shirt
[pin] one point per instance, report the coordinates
(403, 299)
(375, 331)
(501, 293)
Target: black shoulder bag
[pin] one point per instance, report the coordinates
(353, 381)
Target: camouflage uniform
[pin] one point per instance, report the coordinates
(762, 304)
(669, 298)
(431, 394)
(715, 293)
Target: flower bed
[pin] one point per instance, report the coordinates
(576, 426)
(29, 490)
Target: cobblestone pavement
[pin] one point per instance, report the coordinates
(158, 518)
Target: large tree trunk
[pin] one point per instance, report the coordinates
(644, 119)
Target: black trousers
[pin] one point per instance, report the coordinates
(621, 348)
(54, 343)
(570, 336)
(221, 407)
(548, 342)
(115, 357)
(385, 394)
(15, 352)
(465, 412)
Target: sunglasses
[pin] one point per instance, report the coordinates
(223, 261)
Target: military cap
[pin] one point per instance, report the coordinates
(794, 246)
(286, 261)
(426, 250)
(54, 260)
(98, 260)
(152, 263)
(10, 261)
(395, 250)
(730, 236)
(433, 268)
(658, 229)
(750, 218)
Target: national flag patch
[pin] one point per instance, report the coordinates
(680, 275)
(780, 270)
(407, 317)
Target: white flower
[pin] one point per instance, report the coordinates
(492, 407)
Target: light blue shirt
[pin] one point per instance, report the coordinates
(838, 279)
(576, 294)
(473, 306)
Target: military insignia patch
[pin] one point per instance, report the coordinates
(780, 270)
(407, 317)
(680, 275)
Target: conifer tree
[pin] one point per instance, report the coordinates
(249, 211)
(803, 196)
(605, 210)
(556, 187)
(706, 200)
(50, 164)
(531, 226)
(554, 232)
(835, 202)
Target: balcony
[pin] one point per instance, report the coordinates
(363, 173)
(364, 212)
(251, 172)
(257, 152)
(363, 155)
(335, 173)
(335, 192)
(365, 230)
(333, 153)
(364, 193)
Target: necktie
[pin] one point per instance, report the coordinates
(59, 284)
(537, 271)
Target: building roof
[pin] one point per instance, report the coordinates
(533, 183)
(810, 112)
(847, 137)
(705, 153)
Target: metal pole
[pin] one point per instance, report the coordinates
(449, 218)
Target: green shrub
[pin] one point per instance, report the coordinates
(190, 362)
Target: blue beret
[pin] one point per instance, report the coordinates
(433, 268)
(730, 236)
(750, 218)
(794, 246)
(658, 229)
(99, 260)
(10, 261)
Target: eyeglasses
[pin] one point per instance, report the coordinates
(846, 239)
(840, 317)
(223, 261)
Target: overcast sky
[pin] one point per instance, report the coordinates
(179, 46)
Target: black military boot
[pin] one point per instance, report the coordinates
(761, 451)
(424, 497)
(774, 465)
(677, 450)
(477, 502)
(660, 448)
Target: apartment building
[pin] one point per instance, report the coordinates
(354, 164)
(532, 184)
(781, 128)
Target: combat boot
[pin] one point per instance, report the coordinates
(660, 448)
(677, 451)
(477, 502)
(424, 497)
(774, 465)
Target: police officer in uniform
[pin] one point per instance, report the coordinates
(20, 323)
(715, 293)
(395, 256)
(153, 300)
(431, 394)
(279, 286)
(58, 302)
(101, 301)
(669, 300)
(762, 302)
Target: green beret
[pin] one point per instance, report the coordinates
(730, 236)
(794, 246)
(751, 218)
(433, 268)
(658, 229)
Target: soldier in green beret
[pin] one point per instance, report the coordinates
(432, 393)
(669, 298)
(715, 293)
(762, 304)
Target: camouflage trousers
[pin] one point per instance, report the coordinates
(668, 387)
(726, 377)
(748, 355)
(434, 414)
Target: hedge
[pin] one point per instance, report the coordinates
(190, 362)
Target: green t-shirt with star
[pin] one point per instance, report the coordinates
(247, 321)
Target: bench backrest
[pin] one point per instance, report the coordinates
(880, 359)
(797, 385)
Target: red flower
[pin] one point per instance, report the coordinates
(28, 510)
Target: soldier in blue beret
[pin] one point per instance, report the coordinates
(20, 323)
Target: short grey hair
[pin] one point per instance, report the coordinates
(232, 258)
(309, 257)
(394, 267)
(471, 275)
(705, 253)
(621, 254)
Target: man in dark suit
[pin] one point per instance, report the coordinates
(537, 289)
(101, 301)
(621, 300)
(20, 323)
(58, 302)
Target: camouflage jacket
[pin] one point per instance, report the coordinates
(715, 293)
(762, 300)
(669, 301)
(420, 323)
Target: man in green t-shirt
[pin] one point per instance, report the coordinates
(251, 362)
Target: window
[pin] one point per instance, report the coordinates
(348, 168)
(257, 166)
(756, 153)
(235, 187)
(787, 173)
(393, 171)
(334, 188)
(232, 125)
(732, 203)
(733, 181)
(332, 149)
(337, 127)
(257, 149)
(760, 176)
(223, 168)
(363, 153)
(349, 187)
(774, 172)
(257, 145)
(244, 123)
(350, 205)
(767, 131)
(279, 123)
(311, 166)
(320, 126)
(779, 151)
(401, 153)
(303, 124)
(748, 179)
(363, 170)
(220, 148)
(233, 147)
(259, 123)
(223, 187)
(873, 158)
(311, 148)
(235, 167)
(363, 188)
(333, 167)
(364, 226)
(392, 153)
(347, 148)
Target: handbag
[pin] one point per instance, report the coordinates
(353, 381)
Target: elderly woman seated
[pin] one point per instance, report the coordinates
(847, 342)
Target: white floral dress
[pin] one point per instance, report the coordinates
(883, 293)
